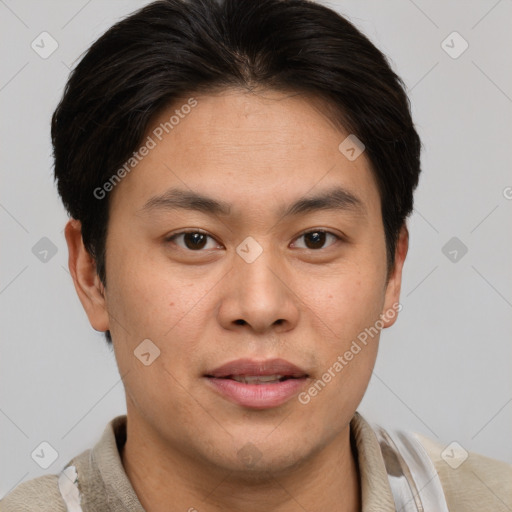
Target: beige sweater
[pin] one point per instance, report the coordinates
(479, 484)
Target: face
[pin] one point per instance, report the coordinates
(254, 269)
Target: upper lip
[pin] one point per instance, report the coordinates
(252, 367)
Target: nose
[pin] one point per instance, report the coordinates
(259, 295)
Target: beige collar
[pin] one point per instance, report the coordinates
(103, 481)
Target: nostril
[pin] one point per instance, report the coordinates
(240, 322)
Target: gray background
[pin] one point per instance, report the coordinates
(443, 369)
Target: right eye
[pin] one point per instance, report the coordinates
(191, 240)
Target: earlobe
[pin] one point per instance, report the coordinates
(392, 297)
(82, 267)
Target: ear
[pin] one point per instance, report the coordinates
(392, 297)
(82, 267)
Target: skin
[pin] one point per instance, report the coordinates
(258, 152)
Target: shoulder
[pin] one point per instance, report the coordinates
(50, 493)
(471, 482)
(81, 478)
(37, 495)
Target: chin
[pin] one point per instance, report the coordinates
(263, 461)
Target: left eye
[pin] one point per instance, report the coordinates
(317, 239)
(193, 240)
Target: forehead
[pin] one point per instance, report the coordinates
(270, 146)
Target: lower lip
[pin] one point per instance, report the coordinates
(258, 396)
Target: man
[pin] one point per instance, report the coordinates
(238, 176)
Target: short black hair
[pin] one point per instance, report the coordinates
(172, 48)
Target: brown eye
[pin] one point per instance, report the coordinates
(315, 240)
(192, 240)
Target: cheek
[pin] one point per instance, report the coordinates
(346, 345)
(346, 307)
(148, 300)
(149, 293)
(346, 301)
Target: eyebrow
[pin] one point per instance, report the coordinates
(337, 198)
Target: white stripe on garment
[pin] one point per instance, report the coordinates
(68, 486)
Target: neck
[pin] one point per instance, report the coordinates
(162, 476)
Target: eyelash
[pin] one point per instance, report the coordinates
(171, 238)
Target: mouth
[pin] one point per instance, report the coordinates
(257, 379)
(257, 384)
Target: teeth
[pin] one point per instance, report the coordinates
(257, 379)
